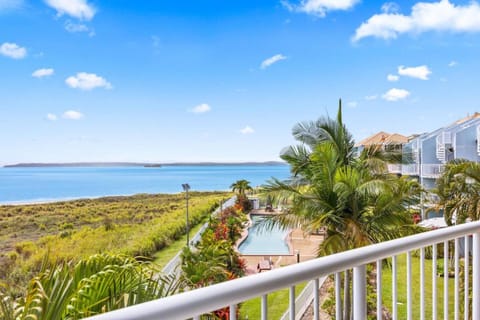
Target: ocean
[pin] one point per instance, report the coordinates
(44, 184)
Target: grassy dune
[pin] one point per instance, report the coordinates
(139, 225)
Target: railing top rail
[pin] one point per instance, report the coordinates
(188, 304)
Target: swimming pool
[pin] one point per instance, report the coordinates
(262, 240)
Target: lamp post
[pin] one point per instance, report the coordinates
(186, 187)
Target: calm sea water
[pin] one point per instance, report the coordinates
(20, 185)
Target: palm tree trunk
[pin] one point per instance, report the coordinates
(347, 303)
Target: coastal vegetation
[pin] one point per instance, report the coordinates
(67, 232)
(214, 259)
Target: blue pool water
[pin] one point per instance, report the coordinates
(262, 240)
(59, 183)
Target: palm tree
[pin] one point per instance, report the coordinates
(241, 186)
(354, 198)
(100, 283)
(459, 191)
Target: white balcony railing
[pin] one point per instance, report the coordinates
(432, 170)
(410, 169)
(394, 168)
(193, 304)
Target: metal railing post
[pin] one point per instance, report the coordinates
(394, 288)
(316, 299)
(338, 295)
(476, 277)
(434, 282)
(422, 283)
(233, 312)
(292, 302)
(409, 285)
(379, 290)
(264, 314)
(359, 293)
(445, 279)
(466, 269)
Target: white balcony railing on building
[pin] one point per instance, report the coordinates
(410, 169)
(432, 170)
(394, 168)
(193, 304)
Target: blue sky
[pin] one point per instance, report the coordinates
(221, 80)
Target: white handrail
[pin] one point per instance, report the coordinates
(204, 300)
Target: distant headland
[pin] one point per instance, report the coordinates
(139, 164)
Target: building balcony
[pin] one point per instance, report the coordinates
(410, 169)
(457, 242)
(395, 168)
(432, 170)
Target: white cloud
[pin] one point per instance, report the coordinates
(10, 4)
(13, 50)
(51, 117)
(72, 115)
(79, 9)
(372, 97)
(247, 130)
(395, 94)
(201, 108)
(319, 7)
(268, 62)
(390, 7)
(392, 77)
(352, 104)
(78, 27)
(420, 72)
(453, 63)
(425, 16)
(40, 73)
(87, 81)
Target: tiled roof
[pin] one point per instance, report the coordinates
(473, 116)
(383, 138)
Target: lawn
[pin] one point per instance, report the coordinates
(162, 257)
(402, 289)
(277, 304)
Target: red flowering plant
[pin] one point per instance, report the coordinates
(416, 218)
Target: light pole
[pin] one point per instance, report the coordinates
(186, 187)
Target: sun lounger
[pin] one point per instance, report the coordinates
(265, 264)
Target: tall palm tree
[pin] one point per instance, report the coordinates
(458, 189)
(241, 186)
(354, 198)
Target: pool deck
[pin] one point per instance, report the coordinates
(307, 244)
